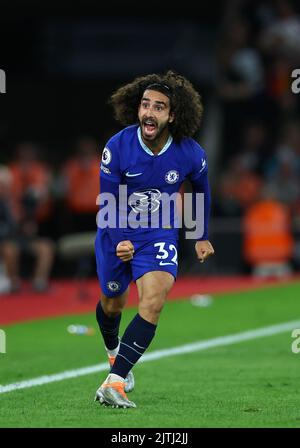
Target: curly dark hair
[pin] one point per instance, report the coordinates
(185, 102)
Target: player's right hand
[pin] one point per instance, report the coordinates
(125, 250)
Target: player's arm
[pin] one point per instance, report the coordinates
(200, 184)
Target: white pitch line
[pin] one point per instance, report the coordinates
(158, 354)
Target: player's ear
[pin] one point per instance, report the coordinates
(171, 117)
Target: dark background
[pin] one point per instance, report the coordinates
(63, 60)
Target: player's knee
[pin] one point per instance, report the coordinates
(112, 307)
(152, 304)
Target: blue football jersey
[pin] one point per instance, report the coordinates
(127, 161)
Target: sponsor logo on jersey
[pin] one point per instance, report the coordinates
(172, 177)
(145, 201)
(106, 156)
(113, 286)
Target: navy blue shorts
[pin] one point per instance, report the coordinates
(151, 255)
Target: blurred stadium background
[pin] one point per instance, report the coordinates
(62, 62)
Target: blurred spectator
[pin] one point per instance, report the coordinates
(7, 223)
(239, 188)
(24, 205)
(285, 104)
(79, 181)
(279, 77)
(241, 69)
(287, 152)
(81, 186)
(253, 151)
(240, 83)
(31, 185)
(268, 240)
(282, 36)
(7, 211)
(285, 184)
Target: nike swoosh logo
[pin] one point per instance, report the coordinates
(164, 264)
(139, 346)
(132, 175)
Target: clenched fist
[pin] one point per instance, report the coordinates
(204, 249)
(125, 250)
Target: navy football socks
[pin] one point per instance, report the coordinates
(109, 327)
(136, 339)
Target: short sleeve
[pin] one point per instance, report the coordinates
(110, 162)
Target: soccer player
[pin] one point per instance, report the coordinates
(153, 155)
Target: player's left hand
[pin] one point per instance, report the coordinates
(204, 249)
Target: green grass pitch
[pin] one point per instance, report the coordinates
(248, 384)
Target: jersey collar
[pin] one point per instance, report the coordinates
(147, 150)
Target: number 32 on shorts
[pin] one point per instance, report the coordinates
(164, 254)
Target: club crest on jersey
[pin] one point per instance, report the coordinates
(106, 156)
(114, 286)
(172, 177)
(145, 201)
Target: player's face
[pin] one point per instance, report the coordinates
(154, 115)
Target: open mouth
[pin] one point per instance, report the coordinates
(149, 127)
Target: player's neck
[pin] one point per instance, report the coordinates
(157, 145)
